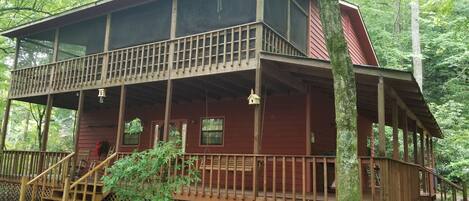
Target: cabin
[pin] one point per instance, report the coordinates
(247, 85)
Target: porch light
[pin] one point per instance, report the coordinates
(101, 95)
(254, 99)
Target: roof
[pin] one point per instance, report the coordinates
(87, 11)
(398, 83)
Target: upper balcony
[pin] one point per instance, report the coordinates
(155, 41)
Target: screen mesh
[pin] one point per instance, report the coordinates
(298, 23)
(36, 49)
(196, 16)
(304, 4)
(83, 38)
(141, 24)
(276, 15)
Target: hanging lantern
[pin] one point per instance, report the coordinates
(254, 99)
(101, 95)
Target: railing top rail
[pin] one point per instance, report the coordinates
(23, 151)
(260, 155)
(51, 168)
(99, 166)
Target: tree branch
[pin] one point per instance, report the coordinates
(2, 10)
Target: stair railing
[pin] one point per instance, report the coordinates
(438, 186)
(91, 178)
(42, 185)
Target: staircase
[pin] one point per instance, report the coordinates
(82, 190)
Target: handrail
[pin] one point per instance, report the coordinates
(458, 187)
(51, 168)
(93, 170)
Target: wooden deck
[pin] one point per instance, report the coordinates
(219, 51)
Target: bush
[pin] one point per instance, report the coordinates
(144, 175)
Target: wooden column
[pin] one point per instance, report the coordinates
(414, 142)
(81, 100)
(308, 121)
(45, 133)
(6, 118)
(17, 51)
(395, 131)
(405, 135)
(428, 150)
(55, 54)
(167, 111)
(422, 149)
(381, 119)
(121, 120)
(258, 111)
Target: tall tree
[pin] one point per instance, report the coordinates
(416, 52)
(347, 183)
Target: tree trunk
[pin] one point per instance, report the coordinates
(347, 179)
(417, 56)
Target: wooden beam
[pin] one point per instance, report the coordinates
(395, 131)
(405, 134)
(258, 111)
(422, 149)
(121, 118)
(260, 10)
(45, 133)
(381, 119)
(167, 110)
(55, 53)
(17, 51)
(107, 32)
(6, 118)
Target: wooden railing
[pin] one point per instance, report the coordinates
(42, 185)
(218, 51)
(441, 188)
(17, 164)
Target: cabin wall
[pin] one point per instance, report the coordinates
(283, 130)
(356, 44)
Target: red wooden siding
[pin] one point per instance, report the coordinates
(284, 125)
(359, 46)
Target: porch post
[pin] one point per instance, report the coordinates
(167, 111)
(414, 142)
(121, 120)
(405, 134)
(81, 99)
(258, 111)
(308, 121)
(395, 130)
(381, 119)
(45, 134)
(422, 148)
(6, 118)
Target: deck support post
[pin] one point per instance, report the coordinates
(81, 100)
(121, 120)
(308, 135)
(422, 148)
(167, 110)
(6, 118)
(405, 135)
(395, 131)
(415, 144)
(381, 119)
(45, 133)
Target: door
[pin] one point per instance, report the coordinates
(178, 127)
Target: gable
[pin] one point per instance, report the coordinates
(360, 47)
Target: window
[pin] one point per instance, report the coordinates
(82, 38)
(196, 16)
(36, 49)
(276, 15)
(212, 131)
(132, 132)
(298, 31)
(142, 24)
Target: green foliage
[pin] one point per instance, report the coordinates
(134, 127)
(144, 175)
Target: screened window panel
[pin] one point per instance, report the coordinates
(304, 4)
(82, 38)
(276, 15)
(298, 23)
(141, 24)
(196, 16)
(36, 49)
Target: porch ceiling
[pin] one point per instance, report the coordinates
(318, 74)
(211, 88)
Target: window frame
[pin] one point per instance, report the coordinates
(222, 132)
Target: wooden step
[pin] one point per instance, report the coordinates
(57, 194)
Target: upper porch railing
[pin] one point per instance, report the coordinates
(224, 50)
